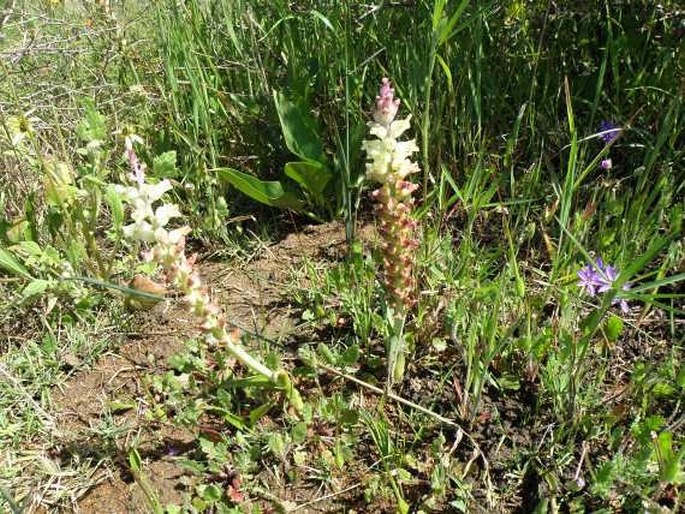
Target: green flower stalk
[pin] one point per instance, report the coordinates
(168, 250)
(390, 165)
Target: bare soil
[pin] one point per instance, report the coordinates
(252, 297)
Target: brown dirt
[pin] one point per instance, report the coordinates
(251, 295)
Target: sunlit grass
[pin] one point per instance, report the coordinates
(521, 391)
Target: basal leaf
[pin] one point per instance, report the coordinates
(164, 165)
(270, 193)
(313, 177)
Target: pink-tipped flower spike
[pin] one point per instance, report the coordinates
(168, 250)
(389, 164)
(137, 168)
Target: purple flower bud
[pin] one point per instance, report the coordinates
(606, 164)
(137, 168)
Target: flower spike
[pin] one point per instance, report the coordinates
(168, 250)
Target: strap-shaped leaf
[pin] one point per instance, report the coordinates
(270, 193)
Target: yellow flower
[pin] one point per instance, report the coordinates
(20, 127)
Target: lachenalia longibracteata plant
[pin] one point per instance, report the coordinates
(389, 165)
(166, 247)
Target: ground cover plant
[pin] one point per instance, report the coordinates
(266, 256)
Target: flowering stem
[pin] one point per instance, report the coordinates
(168, 250)
(390, 166)
(237, 350)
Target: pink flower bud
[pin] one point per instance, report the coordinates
(386, 105)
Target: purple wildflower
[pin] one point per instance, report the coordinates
(589, 279)
(599, 278)
(609, 131)
(606, 164)
(608, 277)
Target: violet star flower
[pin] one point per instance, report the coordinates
(609, 131)
(589, 279)
(599, 278)
(608, 277)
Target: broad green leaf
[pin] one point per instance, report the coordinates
(210, 493)
(35, 288)
(348, 417)
(164, 165)
(613, 328)
(18, 231)
(299, 433)
(509, 382)
(298, 130)
(350, 357)
(93, 125)
(267, 192)
(311, 176)
(31, 248)
(10, 264)
(672, 472)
